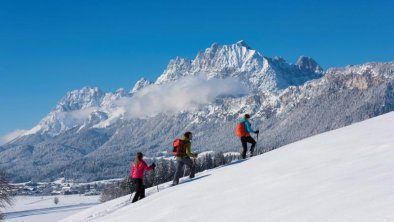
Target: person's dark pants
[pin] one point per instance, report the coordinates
(139, 189)
(245, 140)
(180, 162)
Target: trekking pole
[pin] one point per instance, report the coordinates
(257, 140)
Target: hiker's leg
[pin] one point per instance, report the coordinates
(253, 142)
(178, 171)
(244, 147)
(189, 162)
(142, 191)
(138, 189)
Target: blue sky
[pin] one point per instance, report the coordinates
(50, 47)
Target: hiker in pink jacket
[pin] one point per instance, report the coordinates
(137, 175)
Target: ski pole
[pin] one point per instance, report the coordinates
(257, 140)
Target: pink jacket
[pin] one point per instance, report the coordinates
(138, 171)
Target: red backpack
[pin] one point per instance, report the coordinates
(240, 130)
(178, 148)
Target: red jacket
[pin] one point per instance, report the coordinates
(138, 171)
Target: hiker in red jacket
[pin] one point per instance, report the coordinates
(137, 175)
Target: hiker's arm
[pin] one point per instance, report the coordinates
(146, 167)
(248, 127)
(189, 150)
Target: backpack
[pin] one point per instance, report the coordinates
(240, 130)
(178, 148)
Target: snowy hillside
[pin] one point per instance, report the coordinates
(342, 175)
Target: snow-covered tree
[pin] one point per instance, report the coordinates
(112, 191)
(5, 192)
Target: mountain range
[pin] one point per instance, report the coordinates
(91, 134)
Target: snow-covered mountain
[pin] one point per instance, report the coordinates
(91, 107)
(258, 72)
(92, 134)
(342, 175)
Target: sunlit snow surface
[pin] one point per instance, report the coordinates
(343, 175)
(43, 208)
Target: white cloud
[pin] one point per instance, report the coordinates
(184, 94)
(10, 136)
(81, 115)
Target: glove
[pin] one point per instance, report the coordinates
(257, 131)
(153, 165)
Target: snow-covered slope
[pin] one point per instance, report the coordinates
(342, 175)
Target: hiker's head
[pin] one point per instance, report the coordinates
(247, 116)
(188, 135)
(139, 156)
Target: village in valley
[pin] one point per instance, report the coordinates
(62, 187)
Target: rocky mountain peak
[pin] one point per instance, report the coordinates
(80, 99)
(176, 69)
(242, 43)
(307, 63)
(239, 60)
(140, 84)
(120, 92)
